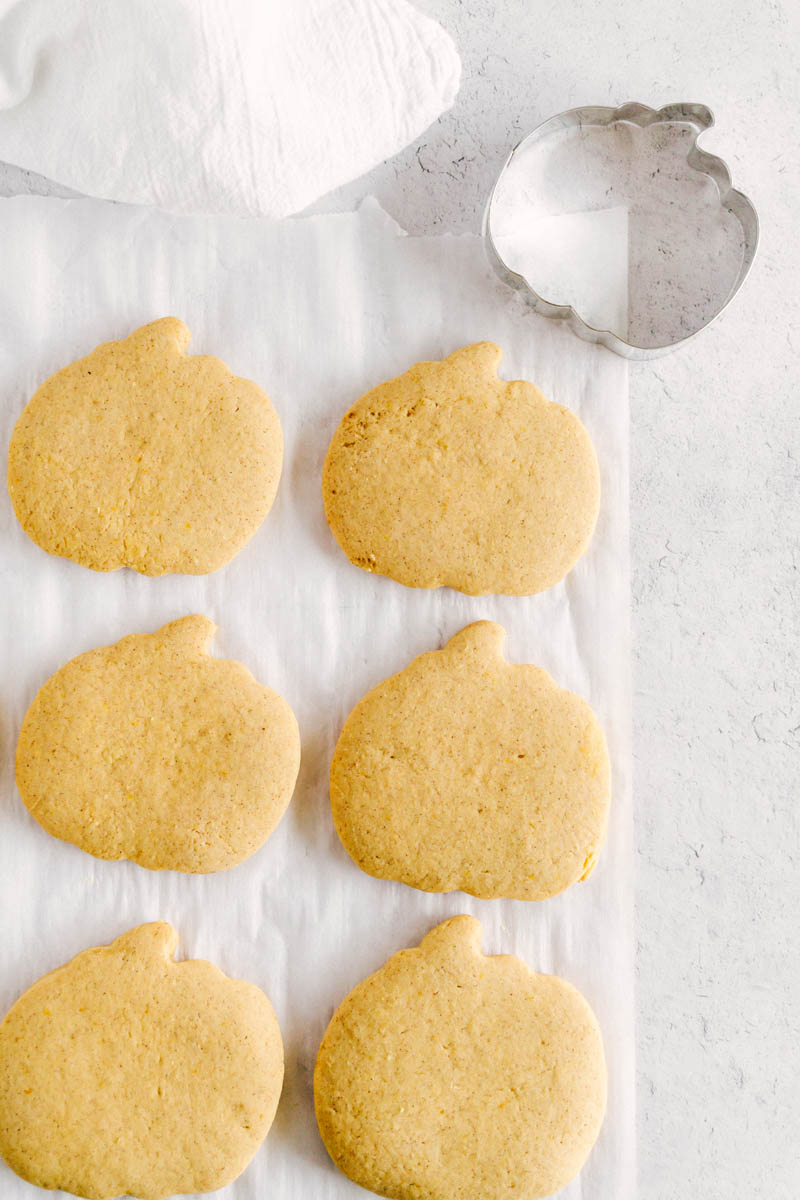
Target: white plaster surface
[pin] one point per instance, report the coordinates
(716, 550)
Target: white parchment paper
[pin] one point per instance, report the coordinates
(316, 310)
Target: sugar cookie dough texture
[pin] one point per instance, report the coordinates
(152, 750)
(139, 456)
(124, 1072)
(448, 1075)
(468, 772)
(450, 476)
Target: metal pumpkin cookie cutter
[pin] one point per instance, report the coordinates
(616, 222)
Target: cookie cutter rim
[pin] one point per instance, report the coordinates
(736, 202)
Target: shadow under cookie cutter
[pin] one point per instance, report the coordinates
(637, 178)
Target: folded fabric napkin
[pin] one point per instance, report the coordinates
(245, 106)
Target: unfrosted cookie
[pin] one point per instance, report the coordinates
(123, 1072)
(468, 772)
(448, 1075)
(139, 456)
(152, 750)
(450, 476)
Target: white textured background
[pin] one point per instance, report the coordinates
(716, 547)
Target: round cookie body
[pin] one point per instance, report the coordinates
(139, 456)
(152, 750)
(467, 772)
(125, 1073)
(448, 1075)
(449, 476)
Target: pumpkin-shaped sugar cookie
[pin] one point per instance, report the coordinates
(155, 751)
(125, 1073)
(468, 772)
(465, 771)
(450, 1075)
(449, 476)
(141, 456)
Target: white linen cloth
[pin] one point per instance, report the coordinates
(316, 310)
(245, 106)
